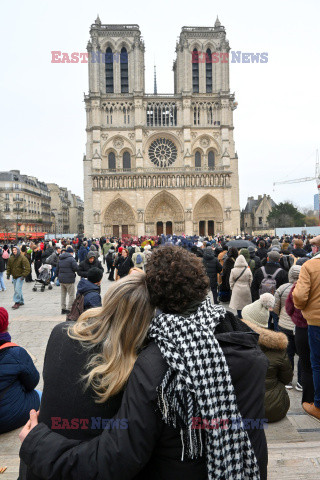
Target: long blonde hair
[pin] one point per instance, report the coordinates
(120, 327)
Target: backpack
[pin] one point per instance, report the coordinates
(138, 259)
(268, 284)
(5, 255)
(77, 308)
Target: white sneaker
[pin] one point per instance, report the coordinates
(289, 386)
(299, 387)
(51, 283)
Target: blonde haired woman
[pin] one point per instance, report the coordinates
(87, 363)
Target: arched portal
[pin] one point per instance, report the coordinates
(119, 219)
(207, 216)
(164, 212)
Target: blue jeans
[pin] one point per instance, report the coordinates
(2, 287)
(314, 343)
(273, 322)
(17, 296)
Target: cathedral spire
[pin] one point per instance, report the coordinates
(218, 23)
(98, 21)
(155, 81)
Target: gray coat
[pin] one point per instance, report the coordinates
(67, 268)
(281, 295)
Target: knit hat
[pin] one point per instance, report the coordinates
(4, 320)
(70, 250)
(258, 312)
(95, 275)
(251, 249)
(91, 254)
(275, 242)
(120, 249)
(274, 256)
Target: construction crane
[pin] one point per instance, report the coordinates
(308, 179)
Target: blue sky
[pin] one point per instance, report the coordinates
(277, 120)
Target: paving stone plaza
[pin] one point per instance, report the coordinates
(293, 443)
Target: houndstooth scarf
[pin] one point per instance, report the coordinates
(198, 384)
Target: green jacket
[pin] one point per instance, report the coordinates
(106, 247)
(18, 266)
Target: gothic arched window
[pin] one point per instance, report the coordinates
(211, 160)
(127, 161)
(195, 71)
(208, 71)
(109, 70)
(197, 160)
(124, 70)
(112, 161)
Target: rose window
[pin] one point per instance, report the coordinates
(162, 152)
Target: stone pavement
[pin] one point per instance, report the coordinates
(293, 443)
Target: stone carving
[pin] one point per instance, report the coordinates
(118, 143)
(188, 214)
(163, 207)
(104, 136)
(140, 215)
(119, 212)
(131, 136)
(204, 142)
(194, 134)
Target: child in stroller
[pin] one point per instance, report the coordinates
(44, 278)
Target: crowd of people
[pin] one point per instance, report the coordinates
(158, 357)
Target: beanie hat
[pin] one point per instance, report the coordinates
(275, 242)
(120, 249)
(91, 254)
(4, 319)
(95, 275)
(24, 248)
(258, 312)
(70, 250)
(274, 256)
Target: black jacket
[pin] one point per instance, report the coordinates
(149, 449)
(2, 264)
(67, 267)
(299, 252)
(262, 253)
(123, 265)
(226, 271)
(48, 251)
(85, 266)
(212, 265)
(271, 267)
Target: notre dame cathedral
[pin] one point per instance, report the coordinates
(160, 163)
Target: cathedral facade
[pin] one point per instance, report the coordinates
(159, 163)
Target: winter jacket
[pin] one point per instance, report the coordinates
(2, 264)
(148, 448)
(274, 345)
(281, 296)
(106, 247)
(123, 265)
(85, 266)
(262, 253)
(299, 252)
(241, 293)
(18, 379)
(271, 267)
(293, 312)
(286, 262)
(226, 271)
(18, 266)
(48, 251)
(53, 259)
(82, 253)
(91, 293)
(212, 266)
(67, 268)
(306, 295)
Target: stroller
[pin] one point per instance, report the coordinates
(44, 278)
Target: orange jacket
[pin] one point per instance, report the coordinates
(306, 295)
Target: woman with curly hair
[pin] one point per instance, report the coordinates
(185, 399)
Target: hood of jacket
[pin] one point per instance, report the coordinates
(208, 254)
(240, 262)
(84, 286)
(268, 338)
(294, 273)
(65, 255)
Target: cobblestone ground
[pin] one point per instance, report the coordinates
(294, 443)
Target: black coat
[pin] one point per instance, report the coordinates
(271, 267)
(299, 252)
(2, 264)
(226, 271)
(149, 449)
(67, 268)
(262, 253)
(85, 266)
(46, 254)
(212, 266)
(123, 265)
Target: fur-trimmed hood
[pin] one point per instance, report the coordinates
(268, 338)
